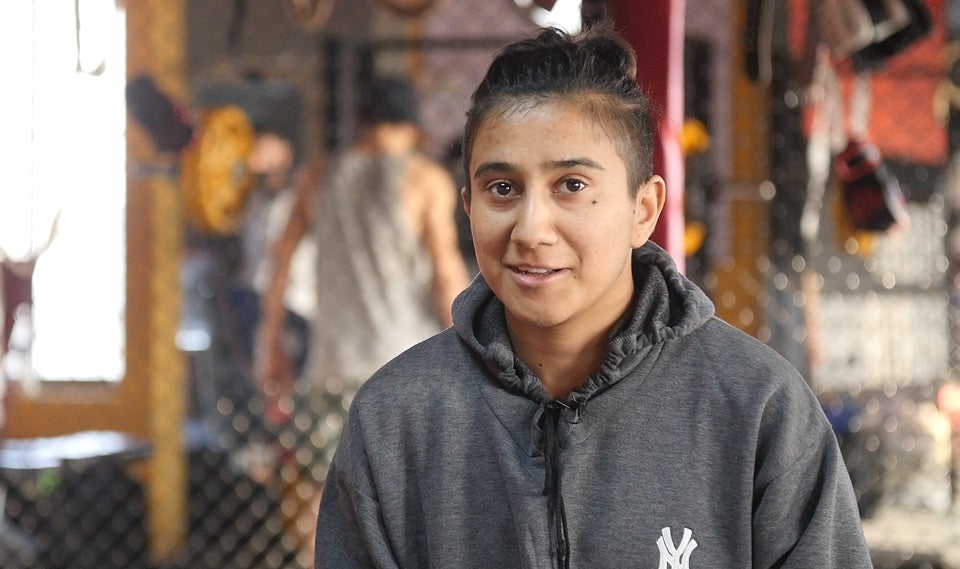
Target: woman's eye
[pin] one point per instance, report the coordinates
(573, 185)
(501, 188)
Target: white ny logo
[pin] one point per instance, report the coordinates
(677, 557)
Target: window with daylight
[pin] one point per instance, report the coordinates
(63, 200)
(563, 14)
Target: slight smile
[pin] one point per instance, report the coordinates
(532, 275)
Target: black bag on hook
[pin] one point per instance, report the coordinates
(871, 192)
(873, 56)
(167, 124)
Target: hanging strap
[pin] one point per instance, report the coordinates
(550, 424)
(834, 124)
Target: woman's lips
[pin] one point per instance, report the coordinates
(533, 276)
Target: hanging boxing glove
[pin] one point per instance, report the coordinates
(871, 192)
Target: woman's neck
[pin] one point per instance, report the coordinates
(561, 359)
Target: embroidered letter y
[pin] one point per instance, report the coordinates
(676, 557)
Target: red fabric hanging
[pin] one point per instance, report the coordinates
(655, 28)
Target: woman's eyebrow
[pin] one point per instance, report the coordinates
(499, 167)
(572, 163)
(493, 167)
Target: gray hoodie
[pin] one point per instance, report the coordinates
(693, 446)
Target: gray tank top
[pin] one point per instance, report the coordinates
(374, 275)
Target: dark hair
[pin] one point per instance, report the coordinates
(595, 68)
(388, 100)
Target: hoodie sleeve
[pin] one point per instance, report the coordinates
(807, 516)
(350, 529)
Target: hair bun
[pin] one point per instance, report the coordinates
(613, 54)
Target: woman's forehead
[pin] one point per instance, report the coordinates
(547, 124)
(548, 137)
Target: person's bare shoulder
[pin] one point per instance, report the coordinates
(429, 197)
(428, 177)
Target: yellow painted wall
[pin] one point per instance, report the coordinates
(738, 276)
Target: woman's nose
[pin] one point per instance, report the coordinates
(535, 221)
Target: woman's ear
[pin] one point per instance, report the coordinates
(465, 197)
(649, 203)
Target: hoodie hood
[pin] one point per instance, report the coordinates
(665, 305)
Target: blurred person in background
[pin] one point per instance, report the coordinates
(388, 266)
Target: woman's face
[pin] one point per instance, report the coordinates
(553, 220)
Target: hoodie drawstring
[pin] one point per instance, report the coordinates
(551, 484)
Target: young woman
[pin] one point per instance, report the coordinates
(587, 409)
